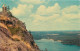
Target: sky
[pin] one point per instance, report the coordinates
(46, 15)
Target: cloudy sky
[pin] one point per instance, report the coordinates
(46, 15)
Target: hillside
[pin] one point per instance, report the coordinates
(14, 35)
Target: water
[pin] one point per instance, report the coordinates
(42, 40)
(55, 46)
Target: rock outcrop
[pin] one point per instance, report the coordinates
(14, 35)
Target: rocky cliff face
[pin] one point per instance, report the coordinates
(14, 35)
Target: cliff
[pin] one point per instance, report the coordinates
(14, 35)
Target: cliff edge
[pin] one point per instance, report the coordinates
(14, 35)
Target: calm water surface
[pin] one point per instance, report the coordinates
(55, 46)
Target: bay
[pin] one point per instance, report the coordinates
(55, 46)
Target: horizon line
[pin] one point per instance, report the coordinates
(61, 30)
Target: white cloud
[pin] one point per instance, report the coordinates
(71, 13)
(22, 10)
(67, 18)
(72, 9)
(44, 13)
(38, 18)
(32, 1)
(47, 14)
(49, 18)
(43, 10)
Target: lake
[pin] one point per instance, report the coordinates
(55, 46)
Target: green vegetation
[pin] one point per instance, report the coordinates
(15, 30)
(15, 39)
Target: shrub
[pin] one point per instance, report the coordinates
(14, 30)
(15, 39)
